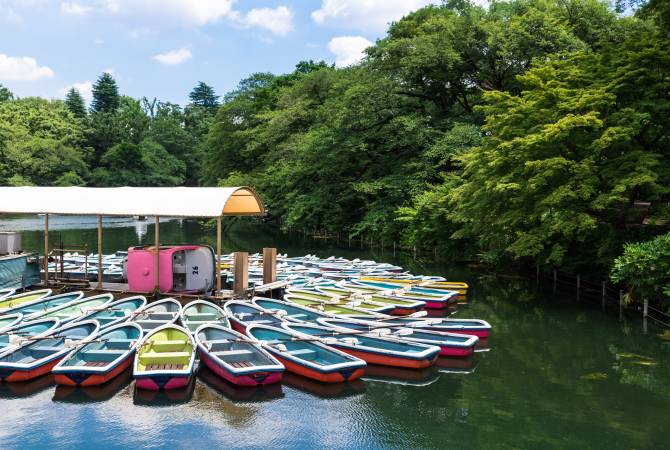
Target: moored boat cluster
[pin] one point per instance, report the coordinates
(336, 317)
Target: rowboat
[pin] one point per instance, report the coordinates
(9, 320)
(242, 314)
(435, 299)
(46, 303)
(102, 359)
(451, 344)
(156, 314)
(165, 359)
(474, 327)
(22, 298)
(115, 312)
(311, 359)
(6, 292)
(458, 286)
(373, 350)
(72, 310)
(401, 306)
(39, 355)
(307, 297)
(200, 312)
(329, 308)
(288, 311)
(13, 337)
(235, 357)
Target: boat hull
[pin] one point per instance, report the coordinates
(163, 382)
(456, 351)
(248, 379)
(17, 375)
(82, 378)
(388, 360)
(339, 376)
(237, 326)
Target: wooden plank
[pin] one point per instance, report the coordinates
(241, 262)
(269, 265)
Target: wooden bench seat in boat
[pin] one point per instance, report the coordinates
(168, 345)
(231, 356)
(119, 343)
(304, 353)
(164, 356)
(240, 364)
(102, 355)
(42, 351)
(162, 316)
(167, 366)
(202, 316)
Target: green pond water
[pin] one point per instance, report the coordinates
(560, 374)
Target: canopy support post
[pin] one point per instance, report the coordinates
(218, 256)
(157, 237)
(241, 282)
(99, 252)
(46, 249)
(269, 265)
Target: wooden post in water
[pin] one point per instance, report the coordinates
(620, 304)
(218, 257)
(269, 265)
(645, 313)
(99, 251)
(393, 248)
(361, 241)
(415, 252)
(554, 280)
(604, 295)
(46, 250)
(241, 261)
(579, 283)
(349, 241)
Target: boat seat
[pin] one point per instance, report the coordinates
(102, 355)
(161, 315)
(231, 356)
(119, 343)
(200, 322)
(202, 316)
(171, 345)
(43, 351)
(218, 341)
(164, 356)
(302, 353)
(165, 366)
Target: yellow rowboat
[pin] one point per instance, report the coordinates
(457, 286)
(23, 298)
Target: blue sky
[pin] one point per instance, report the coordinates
(161, 48)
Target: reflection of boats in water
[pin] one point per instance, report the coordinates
(323, 390)
(399, 375)
(457, 365)
(101, 393)
(239, 393)
(164, 397)
(26, 388)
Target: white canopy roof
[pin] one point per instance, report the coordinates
(132, 201)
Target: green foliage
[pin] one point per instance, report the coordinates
(645, 267)
(75, 103)
(5, 94)
(105, 94)
(203, 95)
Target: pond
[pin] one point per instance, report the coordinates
(559, 374)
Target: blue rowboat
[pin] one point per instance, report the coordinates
(156, 314)
(373, 350)
(200, 312)
(307, 357)
(243, 314)
(474, 327)
(289, 311)
(70, 311)
(46, 303)
(434, 298)
(451, 344)
(9, 320)
(235, 357)
(39, 355)
(7, 292)
(115, 312)
(19, 334)
(105, 357)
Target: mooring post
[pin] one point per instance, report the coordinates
(645, 313)
(554, 280)
(620, 304)
(361, 241)
(393, 248)
(99, 252)
(579, 284)
(269, 265)
(415, 252)
(381, 245)
(46, 250)
(349, 241)
(604, 294)
(241, 282)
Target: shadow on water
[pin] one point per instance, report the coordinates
(92, 394)
(457, 365)
(399, 375)
(26, 388)
(237, 393)
(146, 397)
(324, 390)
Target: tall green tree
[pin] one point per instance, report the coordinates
(5, 94)
(203, 95)
(105, 94)
(75, 103)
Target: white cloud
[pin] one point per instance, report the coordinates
(22, 68)
(85, 88)
(74, 9)
(374, 15)
(98, 41)
(173, 57)
(348, 50)
(278, 21)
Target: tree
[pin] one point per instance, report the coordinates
(5, 94)
(105, 94)
(204, 96)
(75, 103)
(645, 267)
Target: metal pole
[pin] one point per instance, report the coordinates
(157, 239)
(46, 249)
(99, 252)
(218, 256)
